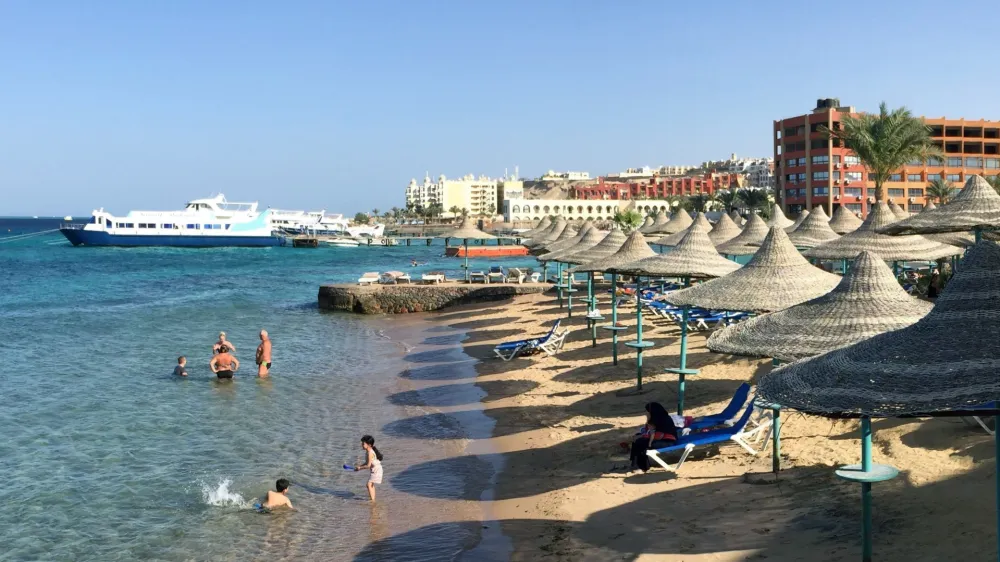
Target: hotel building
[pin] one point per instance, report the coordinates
(657, 187)
(477, 194)
(527, 212)
(813, 170)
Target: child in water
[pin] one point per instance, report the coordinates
(374, 463)
(276, 499)
(179, 370)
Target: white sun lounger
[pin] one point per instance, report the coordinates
(369, 278)
(737, 434)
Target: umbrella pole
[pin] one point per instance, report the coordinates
(591, 307)
(559, 288)
(844, 266)
(684, 347)
(996, 447)
(776, 433)
(569, 291)
(466, 260)
(866, 490)
(614, 319)
(638, 330)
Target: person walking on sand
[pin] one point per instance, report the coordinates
(263, 354)
(223, 364)
(222, 342)
(374, 463)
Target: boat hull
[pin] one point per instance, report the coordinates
(486, 251)
(80, 237)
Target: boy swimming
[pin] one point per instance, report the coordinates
(179, 370)
(276, 499)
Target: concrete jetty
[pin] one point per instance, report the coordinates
(404, 298)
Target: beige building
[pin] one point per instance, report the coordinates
(476, 194)
(520, 210)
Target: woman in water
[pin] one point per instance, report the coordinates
(222, 342)
(374, 463)
(223, 364)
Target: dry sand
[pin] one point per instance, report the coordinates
(564, 494)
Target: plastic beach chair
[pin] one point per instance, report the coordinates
(478, 276)
(729, 416)
(369, 278)
(496, 274)
(688, 443)
(509, 350)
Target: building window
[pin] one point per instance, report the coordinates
(896, 192)
(820, 160)
(916, 207)
(852, 192)
(854, 207)
(836, 175)
(801, 178)
(914, 192)
(852, 176)
(817, 144)
(790, 162)
(818, 191)
(790, 178)
(935, 161)
(954, 177)
(973, 162)
(895, 177)
(915, 162)
(852, 160)
(836, 159)
(821, 176)
(913, 177)
(993, 163)
(954, 161)
(932, 177)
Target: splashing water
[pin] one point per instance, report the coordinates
(222, 496)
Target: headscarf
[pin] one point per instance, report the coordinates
(660, 419)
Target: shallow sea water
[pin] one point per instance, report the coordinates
(106, 456)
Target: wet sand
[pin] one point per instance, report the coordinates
(564, 492)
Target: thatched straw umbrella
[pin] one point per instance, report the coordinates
(739, 220)
(844, 221)
(465, 232)
(975, 208)
(647, 223)
(867, 301)
(540, 227)
(694, 257)
(814, 230)
(549, 234)
(678, 222)
(778, 218)
(898, 211)
(724, 230)
(569, 238)
(591, 237)
(748, 241)
(930, 206)
(776, 278)
(945, 364)
(675, 238)
(889, 248)
(634, 248)
(803, 215)
(662, 218)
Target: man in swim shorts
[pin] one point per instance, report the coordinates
(279, 498)
(263, 354)
(222, 342)
(223, 364)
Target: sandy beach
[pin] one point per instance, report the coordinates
(565, 492)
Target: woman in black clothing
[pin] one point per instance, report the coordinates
(658, 432)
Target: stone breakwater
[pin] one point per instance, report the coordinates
(401, 299)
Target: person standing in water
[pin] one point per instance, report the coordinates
(263, 354)
(180, 369)
(222, 342)
(278, 498)
(374, 463)
(224, 364)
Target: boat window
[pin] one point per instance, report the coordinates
(130, 225)
(168, 226)
(94, 221)
(193, 226)
(227, 226)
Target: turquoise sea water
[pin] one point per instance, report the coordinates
(106, 456)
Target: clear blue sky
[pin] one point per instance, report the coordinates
(300, 104)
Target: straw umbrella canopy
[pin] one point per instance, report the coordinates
(647, 223)
(662, 218)
(735, 215)
(930, 206)
(588, 237)
(633, 249)
(569, 236)
(803, 214)
(889, 248)
(675, 238)
(776, 278)
(814, 230)
(541, 226)
(778, 218)
(748, 241)
(844, 221)
(694, 256)
(898, 211)
(465, 232)
(610, 244)
(680, 220)
(867, 301)
(549, 234)
(976, 207)
(724, 230)
(958, 239)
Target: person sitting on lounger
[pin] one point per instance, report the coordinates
(658, 432)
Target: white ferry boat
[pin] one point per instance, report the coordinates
(203, 223)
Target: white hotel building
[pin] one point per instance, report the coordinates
(524, 211)
(477, 194)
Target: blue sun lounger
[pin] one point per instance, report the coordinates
(549, 343)
(729, 416)
(688, 443)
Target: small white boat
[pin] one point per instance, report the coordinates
(341, 242)
(68, 218)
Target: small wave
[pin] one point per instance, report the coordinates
(221, 496)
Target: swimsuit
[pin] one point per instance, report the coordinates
(376, 477)
(268, 364)
(224, 374)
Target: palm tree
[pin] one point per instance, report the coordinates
(754, 199)
(941, 190)
(395, 212)
(701, 202)
(994, 181)
(455, 210)
(885, 142)
(375, 212)
(465, 212)
(727, 198)
(628, 220)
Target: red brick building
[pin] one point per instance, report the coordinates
(657, 188)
